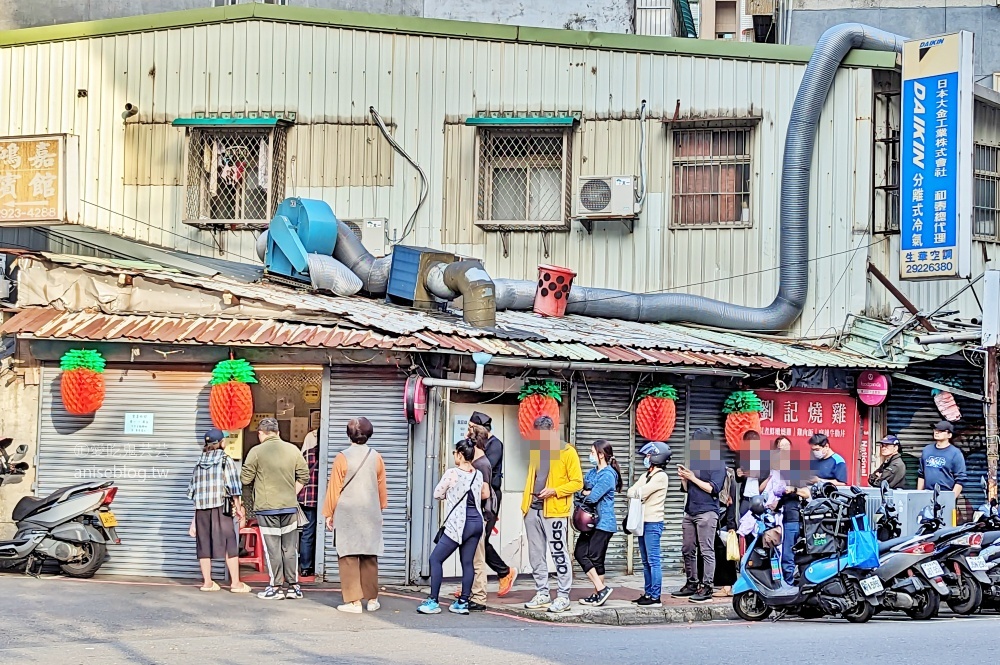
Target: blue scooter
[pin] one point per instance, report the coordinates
(827, 587)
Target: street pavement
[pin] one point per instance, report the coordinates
(55, 620)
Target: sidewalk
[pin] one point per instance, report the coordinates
(617, 611)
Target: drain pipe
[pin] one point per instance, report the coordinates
(793, 283)
(469, 280)
(481, 359)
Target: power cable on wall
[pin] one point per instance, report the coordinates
(424, 186)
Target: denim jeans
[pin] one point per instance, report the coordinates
(649, 548)
(789, 534)
(307, 540)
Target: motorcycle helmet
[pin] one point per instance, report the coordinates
(758, 506)
(584, 519)
(658, 451)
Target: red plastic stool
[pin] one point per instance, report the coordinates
(253, 546)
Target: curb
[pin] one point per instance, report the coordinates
(625, 616)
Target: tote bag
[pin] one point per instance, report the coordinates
(633, 521)
(862, 545)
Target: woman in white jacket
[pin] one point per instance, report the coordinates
(651, 489)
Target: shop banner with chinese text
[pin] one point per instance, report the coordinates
(936, 176)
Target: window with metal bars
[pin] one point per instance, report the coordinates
(235, 176)
(524, 178)
(986, 197)
(711, 186)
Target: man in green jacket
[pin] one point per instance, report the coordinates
(277, 471)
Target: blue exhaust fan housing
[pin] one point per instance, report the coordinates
(300, 227)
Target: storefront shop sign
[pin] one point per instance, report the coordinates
(798, 414)
(311, 394)
(873, 387)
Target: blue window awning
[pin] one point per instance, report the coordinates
(230, 122)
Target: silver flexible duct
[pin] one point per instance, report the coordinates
(793, 283)
(328, 274)
(374, 273)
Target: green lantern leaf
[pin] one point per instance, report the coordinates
(82, 359)
(546, 388)
(664, 391)
(743, 401)
(239, 371)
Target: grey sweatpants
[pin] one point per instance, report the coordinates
(698, 532)
(549, 535)
(280, 536)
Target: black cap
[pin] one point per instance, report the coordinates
(702, 434)
(481, 419)
(214, 435)
(944, 426)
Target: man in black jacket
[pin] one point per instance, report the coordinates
(893, 469)
(494, 453)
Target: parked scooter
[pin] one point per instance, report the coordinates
(827, 586)
(72, 526)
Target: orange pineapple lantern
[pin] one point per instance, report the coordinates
(743, 408)
(230, 402)
(656, 414)
(538, 398)
(82, 381)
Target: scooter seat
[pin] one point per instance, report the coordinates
(30, 505)
(990, 538)
(886, 545)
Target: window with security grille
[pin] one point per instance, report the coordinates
(523, 178)
(711, 177)
(986, 202)
(235, 176)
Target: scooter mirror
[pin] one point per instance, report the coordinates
(19, 453)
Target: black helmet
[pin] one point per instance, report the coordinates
(658, 451)
(757, 505)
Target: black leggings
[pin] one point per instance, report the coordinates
(591, 548)
(467, 551)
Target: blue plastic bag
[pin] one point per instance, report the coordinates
(862, 545)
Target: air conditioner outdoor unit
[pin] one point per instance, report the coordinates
(606, 197)
(371, 232)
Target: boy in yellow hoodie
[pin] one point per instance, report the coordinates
(554, 476)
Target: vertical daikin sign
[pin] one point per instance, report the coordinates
(936, 158)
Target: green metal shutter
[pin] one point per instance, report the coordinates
(376, 394)
(153, 470)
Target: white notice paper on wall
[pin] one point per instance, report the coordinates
(300, 427)
(139, 423)
(461, 428)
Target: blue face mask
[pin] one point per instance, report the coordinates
(593, 459)
(645, 463)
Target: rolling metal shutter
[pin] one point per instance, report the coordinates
(604, 411)
(911, 412)
(150, 471)
(376, 394)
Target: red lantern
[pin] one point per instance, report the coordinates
(538, 398)
(231, 402)
(82, 381)
(656, 414)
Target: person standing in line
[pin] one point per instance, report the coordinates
(599, 487)
(702, 483)
(477, 600)
(462, 488)
(308, 501)
(554, 476)
(780, 483)
(494, 452)
(826, 465)
(356, 497)
(214, 481)
(893, 469)
(651, 489)
(278, 472)
(725, 570)
(941, 463)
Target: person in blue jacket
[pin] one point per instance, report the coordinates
(599, 487)
(941, 463)
(826, 465)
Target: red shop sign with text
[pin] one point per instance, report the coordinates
(800, 413)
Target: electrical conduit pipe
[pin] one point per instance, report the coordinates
(481, 359)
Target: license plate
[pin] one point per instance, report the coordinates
(977, 563)
(871, 585)
(108, 519)
(932, 569)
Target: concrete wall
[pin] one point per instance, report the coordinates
(19, 391)
(908, 18)
(595, 15)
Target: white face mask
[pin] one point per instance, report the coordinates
(646, 463)
(593, 459)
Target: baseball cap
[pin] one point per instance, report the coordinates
(481, 419)
(944, 426)
(214, 435)
(890, 441)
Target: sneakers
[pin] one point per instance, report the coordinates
(703, 595)
(476, 607)
(374, 605)
(689, 589)
(646, 601)
(589, 600)
(560, 605)
(350, 608)
(459, 607)
(541, 601)
(429, 606)
(270, 593)
(602, 596)
(506, 583)
(635, 601)
(294, 592)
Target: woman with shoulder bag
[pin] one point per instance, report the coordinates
(651, 489)
(215, 489)
(599, 487)
(462, 488)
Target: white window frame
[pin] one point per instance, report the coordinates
(982, 174)
(484, 180)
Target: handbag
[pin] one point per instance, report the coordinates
(862, 544)
(440, 531)
(732, 546)
(633, 520)
(300, 517)
(227, 506)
